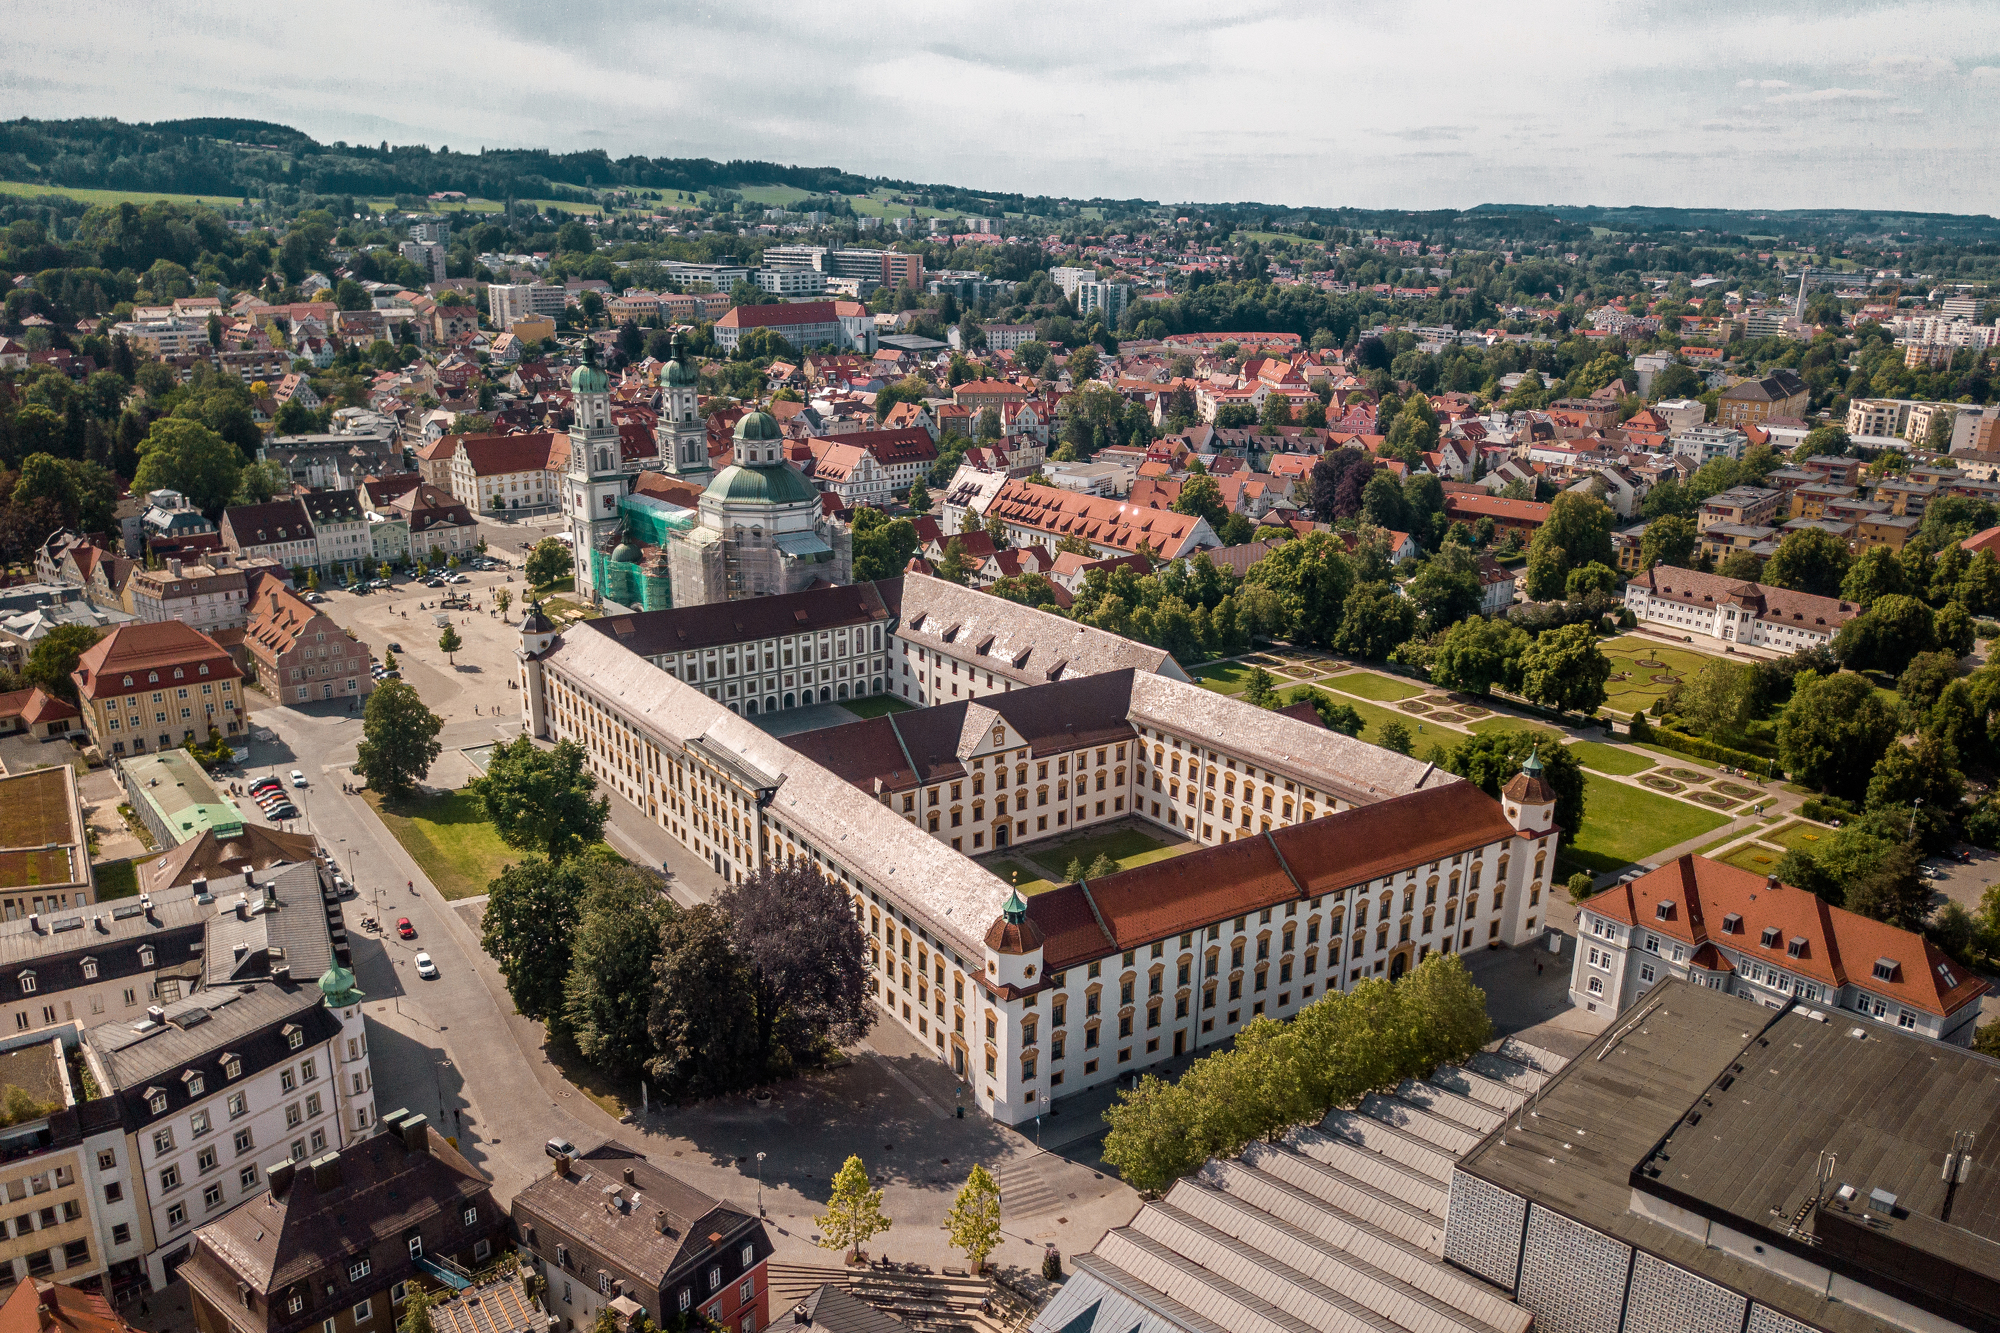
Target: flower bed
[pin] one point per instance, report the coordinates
(1687, 775)
(1737, 789)
(1414, 706)
(1713, 800)
(1658, 783)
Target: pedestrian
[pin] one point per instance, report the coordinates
(1538, 967)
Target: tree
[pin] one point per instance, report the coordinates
(607, 998)
(532, 911)
(1477, 654)
(1311, 576)
(1887, 635)
(1446, 590)
(955, 566)
(261, 482)
(449, 643)
(1581, 886)
(1669, 540)
(1489, 760)
(502, 599)
(1337, 716)
(701, 995)
(1920, 783)
(1742, 566)
(1833, 731)
(1576, 532)
(54, 657)
(1876, 572)
(1083, 364)
(549, 563)
(1375, 620)
(1587, 579)
(807, 955)
(882, 545)
(1382, 503)
(1892, 891)
(1396, 736)
(1924, 680)
(1718, 701)
(853, 1210)
(541, 799)
(974, 1219)
(398, 740)
(83, 494)
(416, 1317)
(1258, 688)
(1953, 629)
(1564, 669)
(1810, 560)
(919, 498)
(186, 456)
(1201, 496)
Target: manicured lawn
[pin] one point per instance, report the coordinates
(1224, 677)
(1638, 690)
(117, 879)
(1375, 717)
(876, 705)
(1755, 859)
(1799, 834)
(449, 837)
(1507, 722)
(1609, 758)
(1722, 842)
(1022, 876)
(1127, 846)
(1368, 685)
(1622, 824)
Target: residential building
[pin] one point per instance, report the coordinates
(428, 256)
(1891, 530)
(495, 473)
(302, 654)
(340, 1240)
(694, 277)
(1904, 495)
(1728, 611)
(429, 524)
(508, 302)
(1007, 337)
(790, 282)
(849, 473)
(168, 516)
(609, 1226)
(1523, 516)
(1811, 499)
(1110, 298)
(37, 713)
(72, 1223)
(1497, 585)
(1681, 414)
(176, 801)
(845, 325)
(1720, 539)
(154, 686)
(341, 544)
(1706, 443)
(1306, 842)
(279, 530)
(48, 869)
(1044, 515)
(203, 596)
(1781, 393)
(1746, 505)
(901, 456)
(1864, 1206)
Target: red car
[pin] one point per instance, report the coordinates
(405, 929)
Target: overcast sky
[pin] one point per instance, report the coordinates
(1410, 103)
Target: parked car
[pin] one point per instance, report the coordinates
(425, 967)
(395, 647)
(405, 929)
(559, 1148)
(298, 778)
(266, 784)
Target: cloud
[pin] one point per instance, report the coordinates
(1832, 95)
(1913, 67)
(1762, 83)
(1428, 133)
(1984, 72)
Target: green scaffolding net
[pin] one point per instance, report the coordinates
(635, 572)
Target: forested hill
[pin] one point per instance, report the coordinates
(1774, 222)
(251, 157)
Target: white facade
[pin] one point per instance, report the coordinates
(203, 598)
(791, 281)
(1681, 414)
(767, 675)
(507, 302)
(1727, 622)
(1706, 443)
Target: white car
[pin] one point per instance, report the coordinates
(298, 778)
(425, 967)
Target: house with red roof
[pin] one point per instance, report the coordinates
(1765, 941)
(490, 473)
(844, 325)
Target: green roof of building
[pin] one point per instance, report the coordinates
(186, 800)
(759, 426)
(588, 379)
(776, 484)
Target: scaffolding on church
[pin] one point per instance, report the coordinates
(633, 571)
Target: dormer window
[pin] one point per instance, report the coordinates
(194, 1082)
(178, 673)
(295, 1036)
(232, 1065)
(1796, 946)
(27, 980)
(1885, 969)
(1732, 924)
(156, 1100)
(90, 969)
(1769, 939)
(202, 670)
(152, 678)
(1664, 909)
(145, 955)
(128, 682)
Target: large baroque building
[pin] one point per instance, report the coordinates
(1311, 859)
(1732, 612)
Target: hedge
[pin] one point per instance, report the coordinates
(1826, 809)
(1716, 754)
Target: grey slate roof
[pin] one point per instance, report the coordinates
(1025, 645)
(248, 1021)
(280, 922)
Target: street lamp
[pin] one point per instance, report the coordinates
(760, 1184)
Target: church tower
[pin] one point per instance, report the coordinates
(596, 478)
(682, 435)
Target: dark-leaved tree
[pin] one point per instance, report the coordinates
(808, 960)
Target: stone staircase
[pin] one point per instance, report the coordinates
(947, 1302)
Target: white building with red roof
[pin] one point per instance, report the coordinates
(1767, 942)
(846, 325)
(1731, 611)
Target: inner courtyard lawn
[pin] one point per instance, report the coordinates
(1623, 824)
(1224, 677)
(1127, 846)
(1368, 685)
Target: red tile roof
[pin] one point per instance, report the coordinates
(786, 316)
(1840, 947)
(131, 651)
(498, 455)
(1496, 507)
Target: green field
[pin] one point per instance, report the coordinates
(1023, 877)
(1623, 824)
(1224, 677)
(1127, 846)
(773, 196)
(1636, 694)
(1374, 717)
(1609, 758)
(1368, 685)
(449, 836)
(1755, 859)
(30, 190)
(876, 705)
(1800, 834)
(1507, 722)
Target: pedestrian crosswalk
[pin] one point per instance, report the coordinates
(1025, 1187)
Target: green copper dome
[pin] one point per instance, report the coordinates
(776, 484)
(625, 553)
(758, 427)
(588, 379)
(679, 374)
(337, 984)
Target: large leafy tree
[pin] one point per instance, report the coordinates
(1669, 540)
(532, 911)
(549, 563)
(807, 956)
(84, 493)
(1446, 590)
(398, 739)
(1833, 731)
(1477, 654)
(1876, 572)
(1489, 760)
(542, 799)
(1922, 783)
(882, 545)
(1576, 532)
(607, 999)
(1202, 497)
(1375, 620)
(1810, 560)
(1718, 701)
(702, 999)
(974, 1219)
(1891, 632)
(188, 457)
(55, 656)
(1311, 576)
(1564, 669)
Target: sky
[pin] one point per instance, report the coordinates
(1410, 104)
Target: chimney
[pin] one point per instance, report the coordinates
(279, 1177)
(242, 907)
(416, 1133)
(800, 1319)
(200, 885)
(155, 1014)
(562, 1165)
(35, 922)
(628, 1177)
(1771, 883)
(660, 1222)
(174, 568)
(326, 1172)
(248, 883)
